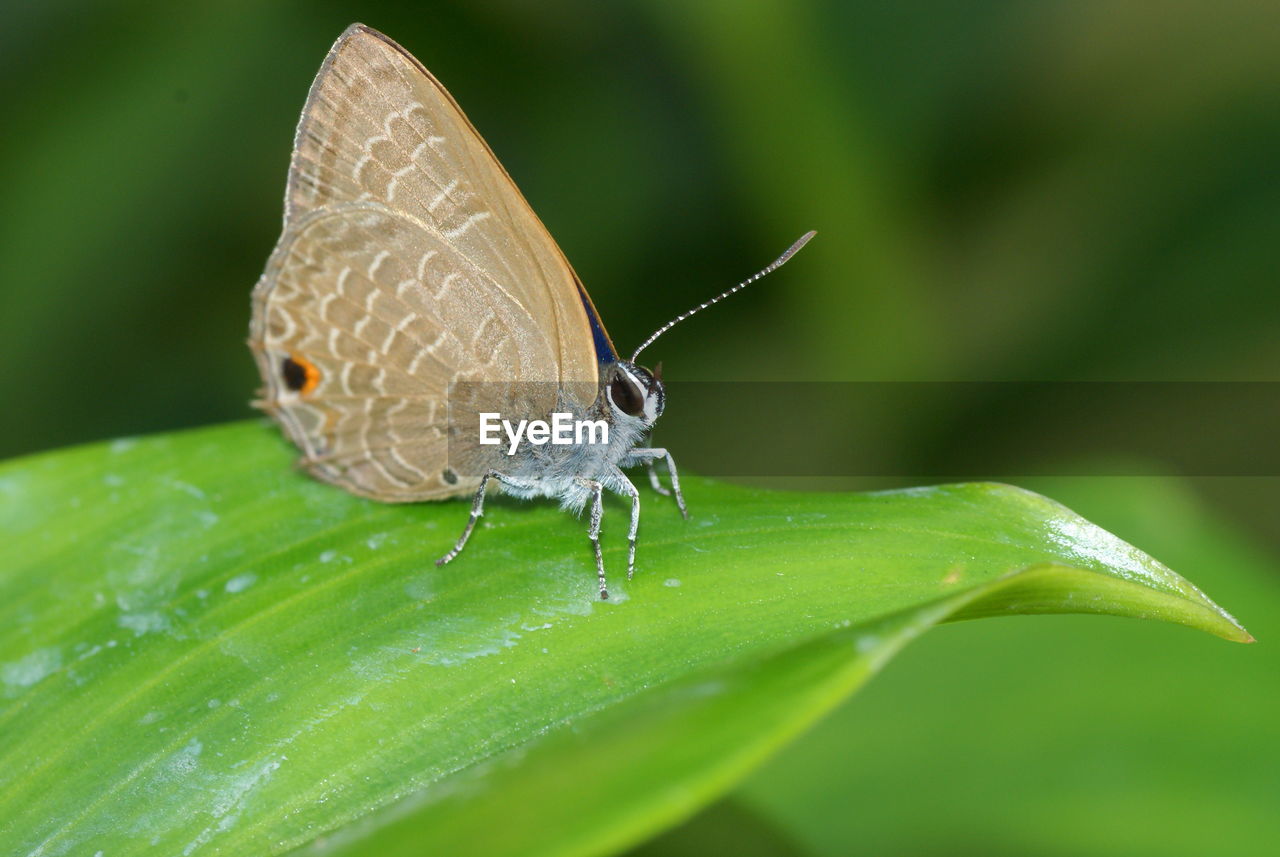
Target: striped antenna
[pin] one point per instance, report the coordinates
(773, 266)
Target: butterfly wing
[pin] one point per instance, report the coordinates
(408, 261)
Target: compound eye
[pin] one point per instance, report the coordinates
(627, 396)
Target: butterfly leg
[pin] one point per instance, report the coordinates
(593, 531)
(650, 458)
(624, 486)
(477, 511)
(652, 467)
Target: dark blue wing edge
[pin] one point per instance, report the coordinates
(605, 352)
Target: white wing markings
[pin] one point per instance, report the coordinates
(324, 305)
(422, 265)
(466, 224)
(395, 179)
(382, 256)
(417, 358)
(345, 376)
(395, 453)
(444, 284)
(399, 328)
(290, 328)
(386, 137)
(442, 196)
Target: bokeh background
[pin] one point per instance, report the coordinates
(1028, 192)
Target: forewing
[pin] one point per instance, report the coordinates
(379, 128)
(408, 261)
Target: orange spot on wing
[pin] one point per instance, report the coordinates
(312, 373)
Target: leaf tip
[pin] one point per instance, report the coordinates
(1235, 633)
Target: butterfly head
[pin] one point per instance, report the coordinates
(636, 393)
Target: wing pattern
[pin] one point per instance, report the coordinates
(408, 261)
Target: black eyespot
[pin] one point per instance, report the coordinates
(449, 476)
(295, 374)
(627, 395)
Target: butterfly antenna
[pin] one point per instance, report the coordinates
(769, 269)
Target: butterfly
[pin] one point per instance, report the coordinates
(411, 270)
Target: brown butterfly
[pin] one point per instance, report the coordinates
(411, 270)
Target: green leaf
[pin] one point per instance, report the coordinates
(203, 651)
(1075, 736)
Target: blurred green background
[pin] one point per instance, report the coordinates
(1031, 192)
